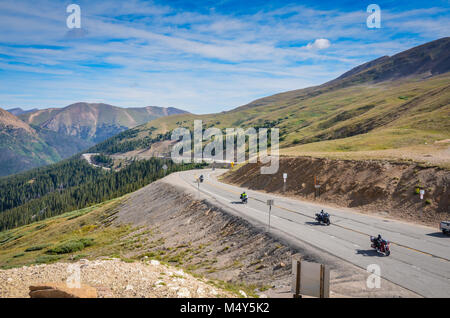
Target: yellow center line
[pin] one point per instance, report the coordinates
(341, 226)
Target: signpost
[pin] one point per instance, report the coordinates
(269, 203)
(311, 279)
(284, 180)
(316, 188)
(422, 193)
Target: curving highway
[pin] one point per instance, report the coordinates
(420, 256)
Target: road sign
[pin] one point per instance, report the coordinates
(421, 192)
(164, 167)
(284, 177)
(270, 203)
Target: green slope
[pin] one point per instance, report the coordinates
(382, 115)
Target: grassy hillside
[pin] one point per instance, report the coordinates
(68, 236)
(389, 103)
(387, 115)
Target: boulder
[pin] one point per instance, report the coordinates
(61, 290)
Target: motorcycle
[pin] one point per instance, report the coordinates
(384, 247)
(325, 218)
(201, 179)
(244, 200)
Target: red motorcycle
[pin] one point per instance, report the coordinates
(383, 246)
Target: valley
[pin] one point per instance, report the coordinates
(43, 136)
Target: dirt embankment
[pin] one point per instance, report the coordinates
(203, 239)
(371, 186)
(176, 227)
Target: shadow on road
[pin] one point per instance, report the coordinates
(313, 223)
(438, 234)
(370, 252)
(237, 202)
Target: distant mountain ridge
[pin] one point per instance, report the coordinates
(423, 61)
(42, 136)
(429, 59)
(94, 121)
(19, 111)
(24, 147)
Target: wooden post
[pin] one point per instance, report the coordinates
(297, 278)
(315, 189)
(322, 281)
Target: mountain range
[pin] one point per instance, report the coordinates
(43, 136)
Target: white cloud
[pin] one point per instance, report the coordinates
(319, 44)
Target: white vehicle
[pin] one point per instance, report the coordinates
(445, 227)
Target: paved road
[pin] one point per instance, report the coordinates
(420, 256)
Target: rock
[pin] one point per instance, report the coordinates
(214, 292)
(201, 292)
(154, 262)
(60, 290)
(180, 273)
(129, 287)
(278, 266)
(184, 293)
(243, 293)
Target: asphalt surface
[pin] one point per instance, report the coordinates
(420, 256)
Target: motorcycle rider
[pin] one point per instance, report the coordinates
(322, 215)
(377, 241)
(201, 178)
(244, 196)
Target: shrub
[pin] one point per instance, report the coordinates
(36, 248)
(19, 255)
(79, 256)
(71, 246)
(296, 141)
(45, 259)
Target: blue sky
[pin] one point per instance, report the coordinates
(202, 56)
